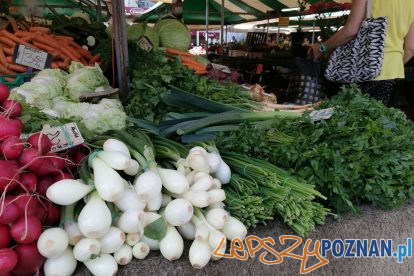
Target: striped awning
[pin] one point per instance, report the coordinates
(235, 11)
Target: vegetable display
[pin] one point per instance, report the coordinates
(363, 153)
(153, 73)
(57, 93)
(62, 48)
(121, 220)
(27, 169)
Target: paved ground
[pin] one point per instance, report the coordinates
(373, 224)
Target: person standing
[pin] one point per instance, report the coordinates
(399, 44)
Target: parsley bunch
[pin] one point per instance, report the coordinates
(363, 154)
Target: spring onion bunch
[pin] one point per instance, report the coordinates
(289, 197)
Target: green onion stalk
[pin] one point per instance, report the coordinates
(291, 198)
(233, 117)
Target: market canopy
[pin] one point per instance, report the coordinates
(235, 11)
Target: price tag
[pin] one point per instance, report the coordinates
(145, 44)
(97, 96)
(64, 136)
(31, 57)
(323, 114)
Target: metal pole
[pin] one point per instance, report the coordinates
(267, 30)
(121, 46)
(222, 29)
(313, 33)
(198, 38)
(99, 11)
(207, 21)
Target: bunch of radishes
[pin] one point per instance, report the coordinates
(111, 228)
(27, 169)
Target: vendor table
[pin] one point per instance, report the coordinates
(397, 225)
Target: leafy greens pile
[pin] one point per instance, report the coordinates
(56, 93)
(363, 154)
(153, 72)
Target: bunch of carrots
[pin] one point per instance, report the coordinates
(187, 59)
(62, 48)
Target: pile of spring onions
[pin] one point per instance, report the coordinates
(125, 205)
(259, 189)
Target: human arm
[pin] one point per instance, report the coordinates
(349, 31)
(409, 45)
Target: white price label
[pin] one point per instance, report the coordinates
(32, 57)
(64, 136)
(323, 114)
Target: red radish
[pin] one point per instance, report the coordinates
(4, 92)
(12, 147)
(29, 259)
(57, 161)
(9, 173)
(8, 260)
(26, 230)
(27, 204)
(5, 236)
(10, 212)
(12, 108)
(10, 127)
(46, 168)
(44, 184)
(78, 157)
(63, 175)
(30, 159)
(29, 181)
(40, 141)
(53, 216)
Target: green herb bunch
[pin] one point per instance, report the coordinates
(363, 154)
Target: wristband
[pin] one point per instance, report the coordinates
(323, 48)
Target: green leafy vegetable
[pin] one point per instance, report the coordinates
(363, 153)
(156, 230)
(84, 79)
(173, 34)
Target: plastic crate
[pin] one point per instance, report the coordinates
(19, 79)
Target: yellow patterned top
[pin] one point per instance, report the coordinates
(400, 15)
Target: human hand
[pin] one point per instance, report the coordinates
(314, 51)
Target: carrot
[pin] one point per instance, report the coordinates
(63, 37)
(201, 72)
(3, 59)
(22, 33)
(69, 54)
(196, 68)
(17, 68)
(194, 65)
(178, 52)
(40, 30)
(8, 51)
(28, 38)
(14, 38)
(81, 50)
(5, 70)
(64, 64)
(186, 60)
(45, 39)
(7, 41)
(54, 65)
(95, 58)
(9, 59)
(9, 79)
(44, 47)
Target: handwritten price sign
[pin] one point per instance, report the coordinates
(32, 57)
(64, 136)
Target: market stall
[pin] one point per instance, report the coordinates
(169, 165)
